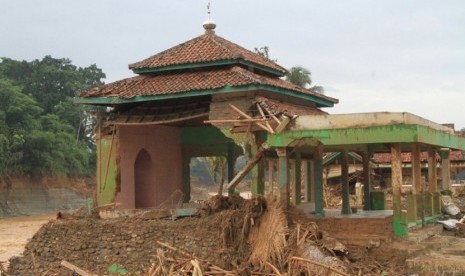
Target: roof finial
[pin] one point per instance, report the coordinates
(209, 25)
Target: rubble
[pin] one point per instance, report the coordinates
(229, 236)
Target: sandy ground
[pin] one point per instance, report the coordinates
(15, 232)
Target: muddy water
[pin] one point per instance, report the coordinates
(15, 233)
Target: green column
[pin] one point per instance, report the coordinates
(298, 179)
(258, 171)
(345, 182)
(309, 181)
(432, 170)
(445, 168)
(366, 180)
(283, 175)
(400, 225)
(318, 181)
(186, 178)
(231, 159)
(415, 206)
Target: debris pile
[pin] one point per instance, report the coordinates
(228, 236)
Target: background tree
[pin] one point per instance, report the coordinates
(41, 131)
(264, 52)
(301, 76)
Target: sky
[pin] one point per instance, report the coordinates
(397, 55)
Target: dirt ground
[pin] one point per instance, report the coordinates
(16, 232)
(215, 238)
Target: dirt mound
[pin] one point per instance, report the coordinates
(232, 235)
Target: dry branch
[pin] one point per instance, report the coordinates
(76, 269)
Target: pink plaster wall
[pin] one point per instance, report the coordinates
(163, 144)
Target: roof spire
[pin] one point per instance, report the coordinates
(209, 25)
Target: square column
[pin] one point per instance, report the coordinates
(445, 168)
(433, 200)
(231, 160)
(297, 179)
(258, 171)
(345, 182)
(318, 182)
(416, 170)
(432, 171)
(283, 175)
(271, 176)
(307, 180)
(186, 179)
(414, 200)
(366, 156)
(400, 226)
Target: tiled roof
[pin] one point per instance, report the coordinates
(187, 81)
(288, 109)
(383, 158)
(205, 48)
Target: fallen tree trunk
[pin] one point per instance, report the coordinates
(247, 168)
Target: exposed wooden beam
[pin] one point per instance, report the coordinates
(247, 168)
(271, 114)
(221, 121)
(264, 117)
(167, 121)
(248, 117)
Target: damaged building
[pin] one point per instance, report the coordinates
(211, 97)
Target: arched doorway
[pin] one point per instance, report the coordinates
(143, 180)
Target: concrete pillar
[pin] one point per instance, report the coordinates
(445, 168)
(432, 171)
(305, 176)
(308, 181)
(258, 171)
(416, 170)
(414, 204)
(366, 180)
(186, 178)
(231, 160)
(296, 191)
(435, 205)
(318, 182)
(345, 182)
(400, 227)
(283, 175)
(270, 175)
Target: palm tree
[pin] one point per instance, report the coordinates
(300, 76)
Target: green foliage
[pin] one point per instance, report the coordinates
(264, 52)
(300, 76)
(41, 132)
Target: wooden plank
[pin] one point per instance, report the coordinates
(264, 117)
(76, 269)
(233, 121)
(283, 124)
(247, 168)
(271, 114)
(248, 117)
(167, 121)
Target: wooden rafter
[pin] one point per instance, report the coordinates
(248, 117)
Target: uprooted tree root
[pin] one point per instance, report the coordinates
(265, 241)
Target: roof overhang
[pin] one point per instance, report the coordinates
(363, 129)
(209, 64)
(320, 102)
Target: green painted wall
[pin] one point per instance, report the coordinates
(107, 169)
